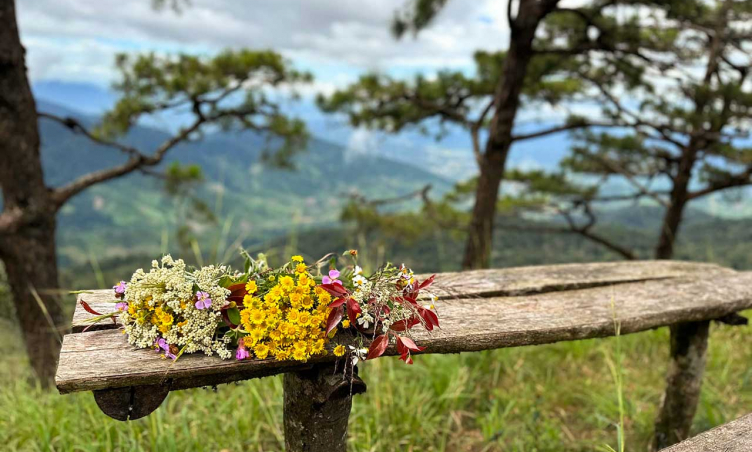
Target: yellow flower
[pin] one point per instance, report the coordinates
(307, 302)
(304, 318)
(271, 278)
(251, 287)
(301, 268)
(295, 299)
(303, 280)
(257, 316)
(275, 335)
(282, 354)
(275, 293)
(261, 351)
(339, 350)
(297, 258)
(325, 298)
(164, 329)
(257, 334)
(346, 323)
(167, 319)
(293, 315)
(299, 355)
(318, 346)
(300, 345)
(287, 283)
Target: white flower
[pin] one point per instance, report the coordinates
(358, 270)
(359, 280)
(357, 354)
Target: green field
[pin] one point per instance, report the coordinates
(560, 397)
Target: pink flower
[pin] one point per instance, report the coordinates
(242, 353)
(120, 289)
(204, 302)
(332, 278)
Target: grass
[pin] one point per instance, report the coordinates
(560, 397)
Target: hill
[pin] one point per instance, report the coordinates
(253, 202)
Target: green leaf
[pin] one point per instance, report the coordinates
(234, 315)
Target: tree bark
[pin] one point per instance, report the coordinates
(678, 200)
(317, 408)
(689, 343)
(506, 103)
(27, 237)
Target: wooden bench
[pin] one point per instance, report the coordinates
(736, 436)
(484, 310)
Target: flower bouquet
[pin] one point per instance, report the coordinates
(293, 312)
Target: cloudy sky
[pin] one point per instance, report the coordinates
(337, 40)
(76, 40)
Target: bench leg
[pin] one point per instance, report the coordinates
(317, 407)
(689, 342)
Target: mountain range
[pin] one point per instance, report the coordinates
(262, 207)
(251, 200)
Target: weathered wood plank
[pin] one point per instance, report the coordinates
(736, 436)
(103, 359)
(495, 282)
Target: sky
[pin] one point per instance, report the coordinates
(71, 46)
(76, 40)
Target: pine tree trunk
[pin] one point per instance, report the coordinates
(30, 262)
(27, 224)
(506, 103)
(480, 234)
(678, 200)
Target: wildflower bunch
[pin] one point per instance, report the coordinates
(174, 310)
(286, 313)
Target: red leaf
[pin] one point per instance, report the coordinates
(405, 324)
(338, 302)
(409, 344)
(430, 318)
(334, 318)
(407, 358)
(88, 308)
(427, 282)
(411, 299)
(335, 290)
(237, 293)
(353, 309)
(378, 346)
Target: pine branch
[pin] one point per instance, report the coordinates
(76, 127)
(566, 127)
(138, 161)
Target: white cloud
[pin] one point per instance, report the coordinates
(335, 39)
(362, 142)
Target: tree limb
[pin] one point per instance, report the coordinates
(737, 180)
(475, 131)
(62, 194)
(553, 130)
(76, 127)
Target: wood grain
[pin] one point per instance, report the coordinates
(487, 283)
(736, 436)
(102, 359)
